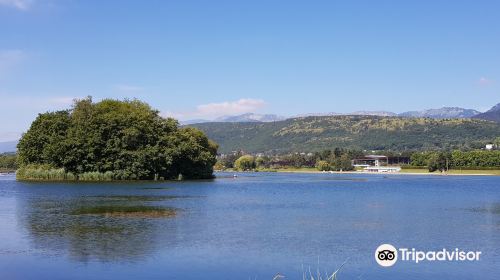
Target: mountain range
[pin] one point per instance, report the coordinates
(309, 134)
(248, 117)
(427, 129)
(492, 114)
(434, 129)
(442, 113)
(7, 147)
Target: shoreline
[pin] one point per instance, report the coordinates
(375, 173)
(390, 173)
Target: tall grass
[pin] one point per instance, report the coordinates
(48, 173)
(309, 275)
(43, 172)
(96, 176)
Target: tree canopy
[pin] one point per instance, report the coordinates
(245, 162)
(127, 138)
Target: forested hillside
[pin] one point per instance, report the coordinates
(356, 132)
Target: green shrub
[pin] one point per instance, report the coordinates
(246, 162)
(322, 165)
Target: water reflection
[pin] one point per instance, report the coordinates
(99, 228)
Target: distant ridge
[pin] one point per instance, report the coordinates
(8, 147)
(441, 113)
(250, 117)
(309, 134)
(492, 114)
(374, 113)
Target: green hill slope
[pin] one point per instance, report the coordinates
(357, 132)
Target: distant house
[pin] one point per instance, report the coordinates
(489, 146)
(380, 163)
(370, 160)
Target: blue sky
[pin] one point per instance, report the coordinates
(203, 59)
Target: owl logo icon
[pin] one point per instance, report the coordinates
(386, 255)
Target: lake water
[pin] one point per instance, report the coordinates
(249, 227)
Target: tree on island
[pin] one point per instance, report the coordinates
(127, 140)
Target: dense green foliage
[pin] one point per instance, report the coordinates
(335, 160)
(119, 140)
(354, 132)
(8, 162)
(438, 161)
(323, 165)
(473, 159)
(246, 162)
(477, 159)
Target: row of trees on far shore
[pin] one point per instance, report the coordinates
(8, 162)
(477, 159)
(335, 160)
(341, 159)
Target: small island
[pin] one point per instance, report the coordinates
(113, 140)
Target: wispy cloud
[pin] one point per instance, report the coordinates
(241, 106)
(483, 81)
(18, 4)
(213, 110)
(9, 59)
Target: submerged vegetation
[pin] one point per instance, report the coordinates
(139, 211)
(112, 140)
(100, 226)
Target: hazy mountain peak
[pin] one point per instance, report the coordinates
(492, 114)
(442, 113)
(7, 147)
(250, 117)
(495, 108)
(374, 113)
(439, 113)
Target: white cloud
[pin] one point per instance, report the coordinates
(484, 81)
(10, 59)
(213, 110)
(241, 106)
(18, 4)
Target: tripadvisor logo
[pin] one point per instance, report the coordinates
(387, 255)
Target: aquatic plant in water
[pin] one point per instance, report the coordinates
(138, 211)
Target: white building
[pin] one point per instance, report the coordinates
(489, 146)
(383, 169)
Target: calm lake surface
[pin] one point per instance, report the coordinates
(249, 227)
